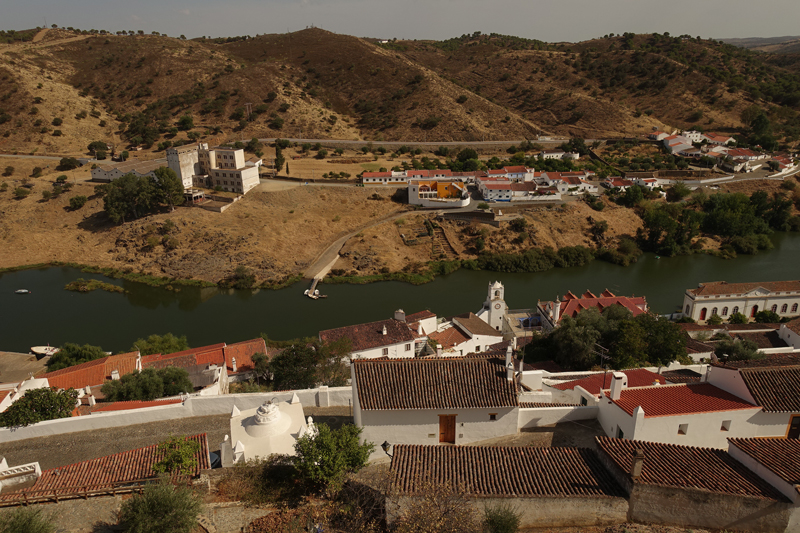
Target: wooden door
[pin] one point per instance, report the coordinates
(794, 428)
(447, 429)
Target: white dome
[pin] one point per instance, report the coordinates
(267, 422)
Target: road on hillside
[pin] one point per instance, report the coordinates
(31, 156)
(415, 143)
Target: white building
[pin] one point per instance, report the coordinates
(140, 169)
(694, 136)
(552, 154)
(269, 429)
(438, 193)
(495, 191)
(494, 308)
(227, 168)
(433, 401)
(465, 334)
(385, 338)
(185, 162)
(724, 299)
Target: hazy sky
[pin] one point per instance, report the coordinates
(565, 20)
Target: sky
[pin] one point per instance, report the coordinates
(562, 20)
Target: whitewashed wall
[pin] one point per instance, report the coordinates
(193, 406)
(545, 416)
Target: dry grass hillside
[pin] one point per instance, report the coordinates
(323, 85)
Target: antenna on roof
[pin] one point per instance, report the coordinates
(602, 352)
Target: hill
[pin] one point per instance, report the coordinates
(316, 84)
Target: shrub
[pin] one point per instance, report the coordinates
(483, 205)
(46, 195)
(501, 518)
(57, 133)
(26, 520)
(161, 507)
(37, 172)
(323, 460)
(76, 202)
(9, 170)
(21, 193)
(57, 121)
(179, 456)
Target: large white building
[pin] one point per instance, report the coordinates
(724, 299)
(395, 338)
(114, 171)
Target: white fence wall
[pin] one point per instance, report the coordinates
(545, 416)
(192, 406)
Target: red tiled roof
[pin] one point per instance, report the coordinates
(777, 390)
(571, 306)
(498, 186)
(794, 325)
(419, 315)
(370, 335)
(4, 393)
(764, 339)
(523, 187)
(449, 338)
(594, 383)
(516, 169)
(496, 172)
(671, 400)
(442, 383)
(376, 175)
(541, 405)
(770, 361)
(779, 455)
(683, 375)
(244, 352)
(105, 471)
(126, 406)
(723, 287)
(92, 372)
(672, 465)
(504, 471)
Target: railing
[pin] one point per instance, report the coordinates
(27, 497)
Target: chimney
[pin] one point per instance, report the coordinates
(384, 329)
(92, 401)
(400, 315)
(619, 381)
(509, 354)
(636, 464)
(510, 371)
(233, 364)
(438, 350)
(139, 361)
(114, 375)
(420, 331)
(556, 310)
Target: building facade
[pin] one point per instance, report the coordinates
(724, 299)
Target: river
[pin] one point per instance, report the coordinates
(114, 321)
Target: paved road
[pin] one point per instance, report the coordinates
(415, 143)
(31, 156)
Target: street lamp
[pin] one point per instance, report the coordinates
(386, 447)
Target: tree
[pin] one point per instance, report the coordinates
(96, 146)
(148, 384)
(438, 508)
(186, 122)
(678, 192)
(714, 320)
(68, 163)
(467, 154)
(665, 340)
(26, 520)
(767, 317)
(163, 344)
(324, 459)
(21, 193)
(76, 202)
(180, 456)
(279, 159)
(170, 188)
(737, 318)
(124, 155)
(737, 350)
(46, 195)
(574, 344)
(260, 366)
(303, 366)
(70, 354)
(160, 507)
(37, 172)
(57, 121)
(501, 518)
(46, 403)
(128, 197)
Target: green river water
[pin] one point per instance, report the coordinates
(53, 315)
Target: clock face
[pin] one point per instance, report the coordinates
(497, 306)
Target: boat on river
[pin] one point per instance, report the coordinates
(41, 351)
(22, 291)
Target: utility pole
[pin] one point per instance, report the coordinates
(603, 354)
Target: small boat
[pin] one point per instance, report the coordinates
(41, 351)
(22, 291)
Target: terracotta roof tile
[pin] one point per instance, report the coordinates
(476, 326)
(779, 455)
(671, 400)
(126, 406)
(683, 375)
(370, 335)
(92, 372)
(777, 390)
(540, 405)
(420, 315)
(449, 338)
(442, 383)
(723, 287)
(671, 465)
(594, 383)
(504, 471)
(764, 339)
(105, 471)
(572, 306)
(772, 360)
(244, 352)
(794, 325)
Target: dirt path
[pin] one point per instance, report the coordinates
(39, 36)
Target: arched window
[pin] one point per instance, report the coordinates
(794, 308)
(735, 310)
(724, 311)
(687, 311)
(775, 308)
(713, 311)
(703, 314)
(784, 307)
(753, 311)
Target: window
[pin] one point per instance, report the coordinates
(492, 416)
(794, 308)
(477, 348)
(726, 425)
(713, 311)
(682, 429)
(775, 308)
(408, 347)
(584, 401)
(385, 351)
(687, 310)
(620, 434)
(735, 310)
(784, 307)
(724, 311)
